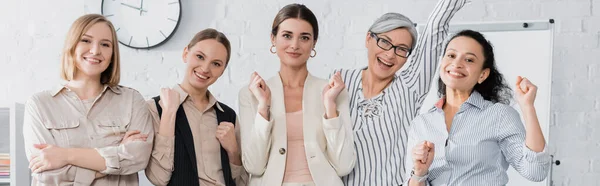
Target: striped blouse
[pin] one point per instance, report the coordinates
(380, 124)
(484, 139)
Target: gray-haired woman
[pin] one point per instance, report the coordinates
(382, 102)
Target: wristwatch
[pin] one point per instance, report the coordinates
(420, 179)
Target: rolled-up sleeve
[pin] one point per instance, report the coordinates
(34, 132)
(131, 157)
(511, 135)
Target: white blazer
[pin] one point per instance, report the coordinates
(329, 143)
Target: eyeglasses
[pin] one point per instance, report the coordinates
(387, 45)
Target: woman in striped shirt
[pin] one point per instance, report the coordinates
(382, 102)
(476, 132)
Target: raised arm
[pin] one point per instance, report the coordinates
(339, 136)
(424, 59)
(161, 164)
(511, 136)
(255, 132)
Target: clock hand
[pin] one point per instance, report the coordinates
(141, 7)
(130, 6)
(133, 7)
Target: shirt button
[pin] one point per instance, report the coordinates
(281, 151)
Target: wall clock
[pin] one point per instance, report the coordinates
(143, 24)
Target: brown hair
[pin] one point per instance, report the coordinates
(111, 75)
(297, 11)
(210, 33)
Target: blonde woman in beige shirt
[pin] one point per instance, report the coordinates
(209, 151)
(73, 133)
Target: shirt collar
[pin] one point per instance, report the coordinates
(58, 89)
(212, 101)
(475, 99)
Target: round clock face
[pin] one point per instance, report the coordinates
(143, 23)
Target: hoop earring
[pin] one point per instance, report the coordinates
(271, 49)
(313, 50)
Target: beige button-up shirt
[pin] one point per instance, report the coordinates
(203, 124)
(60, 118)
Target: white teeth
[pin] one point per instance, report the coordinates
(200, 76)
(388, 64)
(455, 73)
(92, 60)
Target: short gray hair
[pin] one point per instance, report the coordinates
(390, 21)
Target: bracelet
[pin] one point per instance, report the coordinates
(419, 179)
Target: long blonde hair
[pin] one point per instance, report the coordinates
(111, 75)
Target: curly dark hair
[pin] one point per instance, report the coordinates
(494, 88)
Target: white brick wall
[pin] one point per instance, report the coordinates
(32, 34)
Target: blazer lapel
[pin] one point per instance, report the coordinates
(311, 106)
(277, 97)
(308, 94)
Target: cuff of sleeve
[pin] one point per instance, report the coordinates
(111, 156)
(236, 170)
(164, 146)
(537, 157)
(332, 123)
(262, 124)
(84, 176)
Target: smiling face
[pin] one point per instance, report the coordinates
(384, 64)
(462, 65)
(94, 51)
(294, 42)
(206, 61)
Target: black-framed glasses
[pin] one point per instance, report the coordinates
(387, 45)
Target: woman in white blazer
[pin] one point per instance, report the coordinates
(295, 127)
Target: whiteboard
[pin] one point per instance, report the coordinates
(519, 51)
